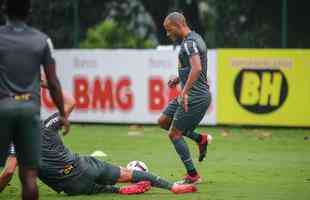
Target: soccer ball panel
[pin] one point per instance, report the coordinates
(137, 165)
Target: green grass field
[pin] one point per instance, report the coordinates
(242, 163)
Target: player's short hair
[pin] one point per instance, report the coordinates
(17, 8)
(176, 17)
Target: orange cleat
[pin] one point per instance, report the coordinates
(136, 188)
(181, 189)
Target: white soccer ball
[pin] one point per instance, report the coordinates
(137, 165)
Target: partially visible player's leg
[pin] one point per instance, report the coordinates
(27, 140)
(7, 130)
(28, 178)
(8, 171)
(134, 176)
(85, 184)
(112, 174)
(101, 177)
(91, 180)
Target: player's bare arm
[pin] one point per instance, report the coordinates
(69, 101)
(69, 104)
(173, 81)
(54, 88)
(193, 76)
(56, 94)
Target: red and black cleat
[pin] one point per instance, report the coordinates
(190, 180)
(203, 146)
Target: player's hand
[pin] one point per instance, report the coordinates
(184, 100)
(173, 81)
(65, 125)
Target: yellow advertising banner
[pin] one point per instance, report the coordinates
(263, 87)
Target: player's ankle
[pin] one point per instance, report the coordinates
(192, 173)
(200, 138)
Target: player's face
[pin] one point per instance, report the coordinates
(172, 30)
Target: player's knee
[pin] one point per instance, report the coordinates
(174, 134)
(164, 122)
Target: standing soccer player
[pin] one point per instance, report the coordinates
(22, 51)
(182, 115)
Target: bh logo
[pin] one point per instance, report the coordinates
(260, 91)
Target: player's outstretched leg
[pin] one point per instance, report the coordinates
(144, 180)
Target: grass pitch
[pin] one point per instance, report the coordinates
(249, 164)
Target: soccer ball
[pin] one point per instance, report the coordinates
(137, 165)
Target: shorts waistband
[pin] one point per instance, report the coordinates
(17, 97)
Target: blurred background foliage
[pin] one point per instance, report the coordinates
(138, 23)
(109, 34)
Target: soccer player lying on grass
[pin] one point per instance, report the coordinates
(65, 171)
(11, 161)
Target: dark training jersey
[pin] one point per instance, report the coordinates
(193, 44)
(58, 164)
(22, 51)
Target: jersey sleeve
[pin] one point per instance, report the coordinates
(48, 58)
(191, 48)
(53, 122)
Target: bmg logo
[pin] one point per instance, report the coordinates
(261, 91)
